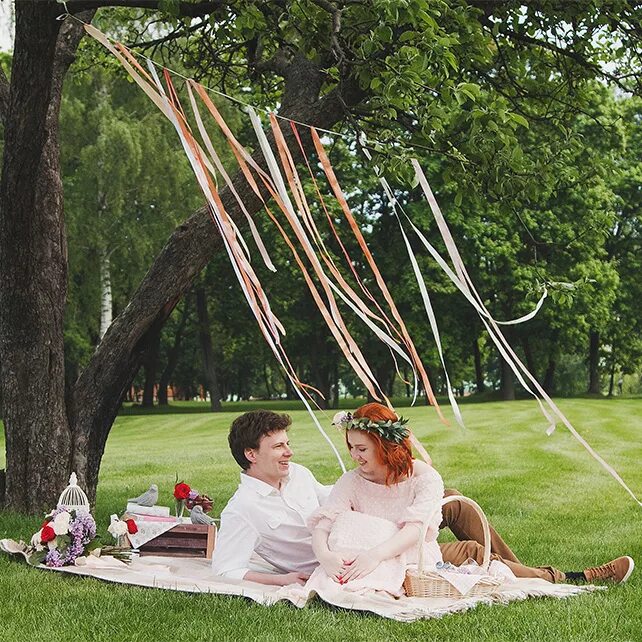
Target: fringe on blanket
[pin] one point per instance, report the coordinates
(409, 609)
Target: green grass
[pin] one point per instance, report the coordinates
(550, 500)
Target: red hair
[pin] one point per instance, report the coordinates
(397, 458)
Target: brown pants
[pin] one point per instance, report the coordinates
(465, 525)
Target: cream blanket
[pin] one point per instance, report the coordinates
(195, 576)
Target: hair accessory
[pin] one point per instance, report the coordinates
(395, 431)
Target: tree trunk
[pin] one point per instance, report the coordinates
(528, 355)
(266, 379)
(549, 375)
(150, 364)
(612, 375)
(33, 262)
(507, 385)
(46, 438)
(479, 373)
(105, 293)
(205, 339)
(594, 363)
(172, 357)
(334, 390)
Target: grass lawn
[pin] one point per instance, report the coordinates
(548, 498)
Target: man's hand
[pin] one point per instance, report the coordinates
(334, 565)
(292, 578)
(360, 566)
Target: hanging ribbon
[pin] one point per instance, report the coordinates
(464, 283)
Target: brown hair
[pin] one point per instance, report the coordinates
(248, 429)
(397, 458)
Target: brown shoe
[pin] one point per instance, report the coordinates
(616, 571)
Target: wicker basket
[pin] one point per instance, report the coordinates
(422, 583)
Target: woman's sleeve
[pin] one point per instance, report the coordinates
(338, 501)
(426, 505)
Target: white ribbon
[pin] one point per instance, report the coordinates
(465, 285)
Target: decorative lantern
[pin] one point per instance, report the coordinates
(73, 497)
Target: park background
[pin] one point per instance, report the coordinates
(527, 120)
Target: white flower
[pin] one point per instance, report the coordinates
(61, 523)
(117, 528)
(36, 539)
(341, 419)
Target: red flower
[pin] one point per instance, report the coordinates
(47, 534)
(181, 491)
(132, 529)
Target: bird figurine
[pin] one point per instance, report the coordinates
(148, 498)
(197, 516)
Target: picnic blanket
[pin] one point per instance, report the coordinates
(194, 575)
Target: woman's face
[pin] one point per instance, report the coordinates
(362, 450)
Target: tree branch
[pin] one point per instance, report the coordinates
(177, 33)
(567, 53)
(102, 384)
(279, 63)
(188, 9)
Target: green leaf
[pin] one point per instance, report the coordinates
(518, 118)
(63, 541)
(37, 557)
(408, 35)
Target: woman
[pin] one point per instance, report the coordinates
(367, 532)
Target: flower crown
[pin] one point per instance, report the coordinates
(395, 431)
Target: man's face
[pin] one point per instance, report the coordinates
(270, 462)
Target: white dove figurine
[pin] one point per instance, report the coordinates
(148, 498)
(197, 516)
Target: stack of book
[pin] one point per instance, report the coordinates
(152, 511)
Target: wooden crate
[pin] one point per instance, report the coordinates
(184, 540)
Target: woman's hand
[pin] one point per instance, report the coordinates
(361, 566)
(334, 564)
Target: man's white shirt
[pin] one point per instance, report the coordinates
(271, 523)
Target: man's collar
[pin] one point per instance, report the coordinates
(262, 488)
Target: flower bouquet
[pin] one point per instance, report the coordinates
(189, 497)
(64, 536)
(119, 529)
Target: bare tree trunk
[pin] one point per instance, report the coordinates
(172, 357)
(206, 348)
(507, 384)
(479, 373)
(150, 364)
(528, 354)
(335, 384)
(105, 293)
(549, 375)
(594, 363)
(33, 262)
(266, 379)
(612, 376)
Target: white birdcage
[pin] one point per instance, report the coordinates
(73, 497)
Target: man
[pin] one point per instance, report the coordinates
(268, 513)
